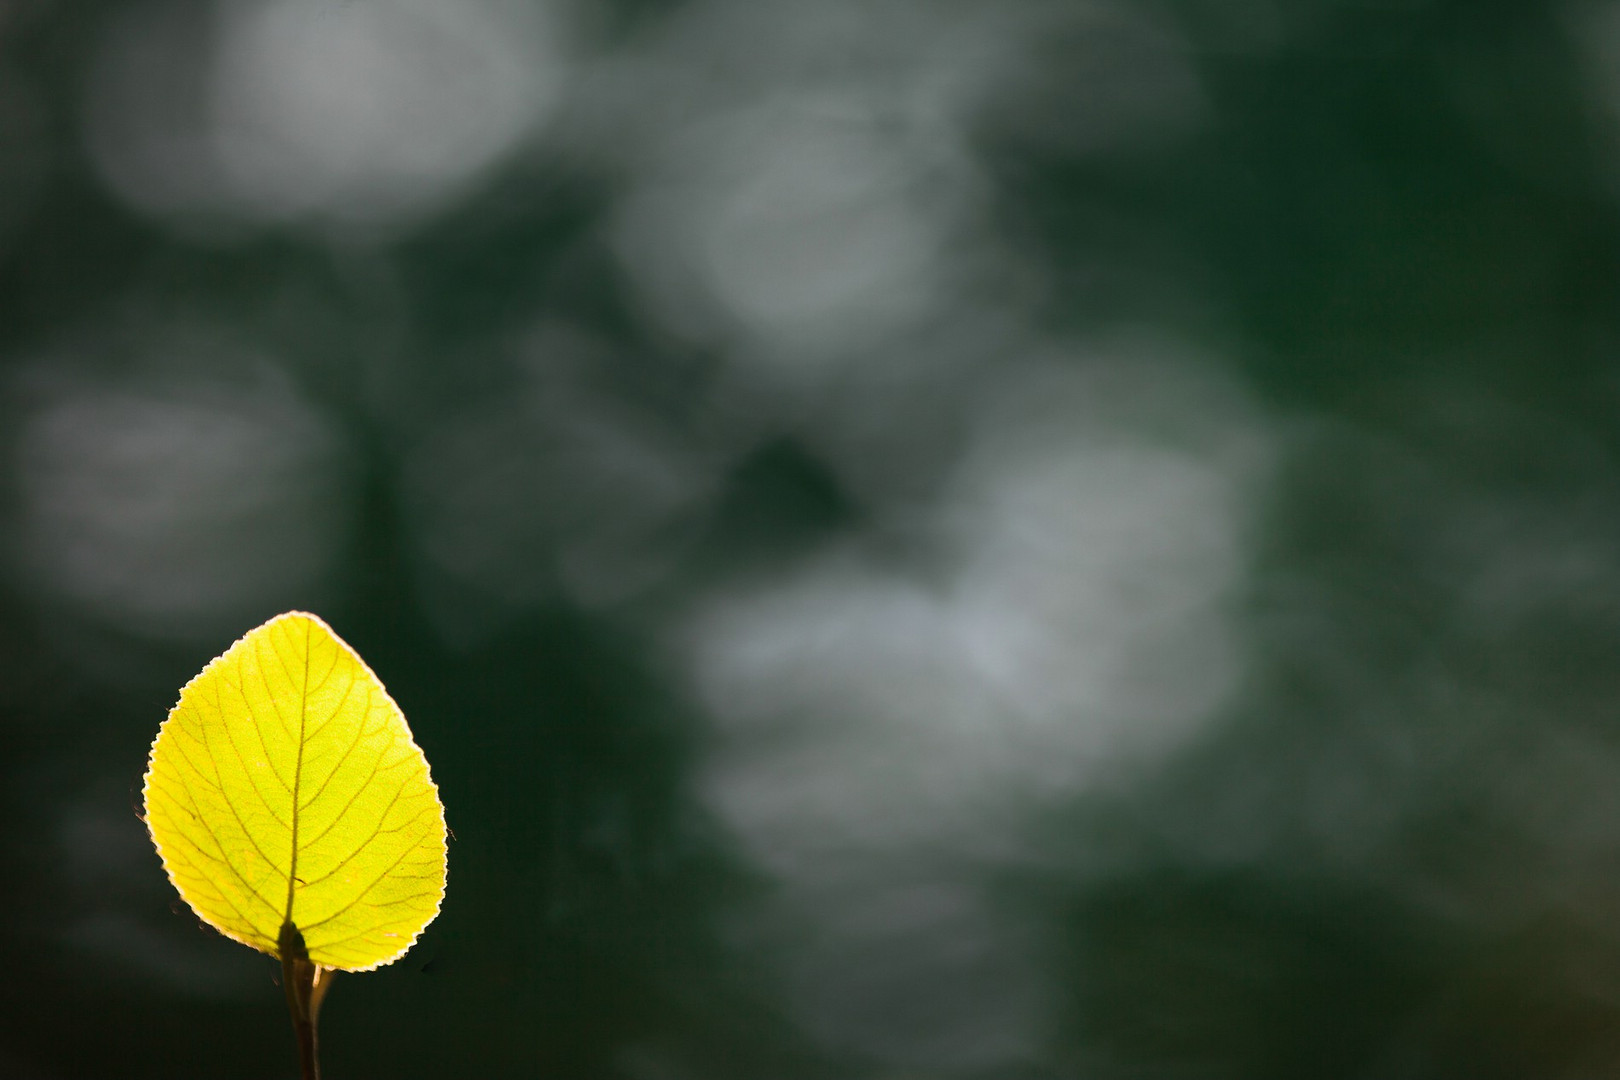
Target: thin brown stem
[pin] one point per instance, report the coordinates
(305, 983)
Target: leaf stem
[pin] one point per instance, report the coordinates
(305, 983)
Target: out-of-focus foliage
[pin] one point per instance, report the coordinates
(927, 538)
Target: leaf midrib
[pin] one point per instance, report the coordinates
(298, 774)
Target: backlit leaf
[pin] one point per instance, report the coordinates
(285, 788)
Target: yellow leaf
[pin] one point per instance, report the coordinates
(285, 790)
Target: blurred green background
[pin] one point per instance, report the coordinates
(922, 539)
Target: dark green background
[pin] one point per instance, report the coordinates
(1391, 850)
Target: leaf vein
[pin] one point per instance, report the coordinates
(374, 927)
(225, 797)
(359, 734)
(361, 895)
(364, 843)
